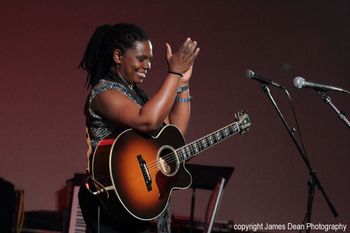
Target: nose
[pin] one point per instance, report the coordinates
(147, 65)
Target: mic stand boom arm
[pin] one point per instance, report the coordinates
(328, 100)
(313, 176)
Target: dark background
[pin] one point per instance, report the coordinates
(42, 96)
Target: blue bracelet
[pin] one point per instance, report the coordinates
(184, 100)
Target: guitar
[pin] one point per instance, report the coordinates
(138, 172)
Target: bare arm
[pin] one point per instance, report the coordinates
(181, 111)
(120, 109)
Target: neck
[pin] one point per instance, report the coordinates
(117, 73)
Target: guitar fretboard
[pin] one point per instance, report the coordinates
(192, 149)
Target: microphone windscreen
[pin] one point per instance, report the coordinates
(298, 82)
(249, 74)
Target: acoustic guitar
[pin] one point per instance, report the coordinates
(134, 174)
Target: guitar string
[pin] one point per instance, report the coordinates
(153, 166)
(181, 152)
(218, 136)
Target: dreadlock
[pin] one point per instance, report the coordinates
(98, 55)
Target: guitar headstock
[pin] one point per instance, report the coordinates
(243, 121)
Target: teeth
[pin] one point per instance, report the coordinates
(143, 75)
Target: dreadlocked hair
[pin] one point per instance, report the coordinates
(98, 56)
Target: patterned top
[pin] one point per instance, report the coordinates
(98, 127)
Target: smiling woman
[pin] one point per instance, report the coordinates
(137, 61)
(117, 59)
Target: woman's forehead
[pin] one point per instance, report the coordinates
(143, 47)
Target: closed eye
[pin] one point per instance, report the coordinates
(143, 58)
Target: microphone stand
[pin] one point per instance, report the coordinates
(313, 180)
(328, 100)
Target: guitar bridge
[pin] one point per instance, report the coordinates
(145, 172)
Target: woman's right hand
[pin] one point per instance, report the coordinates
(183, 59)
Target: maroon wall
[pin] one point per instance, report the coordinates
(42, 94)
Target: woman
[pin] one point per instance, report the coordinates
(117, 59)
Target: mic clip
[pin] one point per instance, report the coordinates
(251, 75)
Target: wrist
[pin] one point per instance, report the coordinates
(182, 87)
(184, 100)
(175, 73)
(184, 83)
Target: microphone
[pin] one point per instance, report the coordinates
(300, 82)
(251, 75)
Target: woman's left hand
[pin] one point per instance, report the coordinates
(187, 75)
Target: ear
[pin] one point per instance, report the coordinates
(117, 56)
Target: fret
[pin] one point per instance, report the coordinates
(226, 132)
(183, 153)
(231, 129)
(218, 136)
(193, 148)
(204, 143)
(211, 139)
(180, 155)
(196, 147)
(188, 151)
(222, 134)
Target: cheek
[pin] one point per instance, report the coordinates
(134, 64)
(137, 64)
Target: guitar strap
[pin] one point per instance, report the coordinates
(89, 150)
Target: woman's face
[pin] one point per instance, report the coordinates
(134, 64)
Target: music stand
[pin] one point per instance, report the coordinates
(205, 177)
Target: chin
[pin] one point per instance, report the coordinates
(139, 80)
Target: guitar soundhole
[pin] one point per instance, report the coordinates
(167, 161)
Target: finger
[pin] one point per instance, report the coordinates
(169, 52)
(194, 56)
(196, 52)
(189, 47)
(190, 69)
(185, 45)
(192, 46)
(192, 52)
(187, 41)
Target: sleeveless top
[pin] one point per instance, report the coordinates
(98, 127)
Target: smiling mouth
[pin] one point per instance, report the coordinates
(142, 75)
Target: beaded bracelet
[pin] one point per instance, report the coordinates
(176, 73)
(184, 100)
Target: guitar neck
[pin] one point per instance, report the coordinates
(192, 149)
